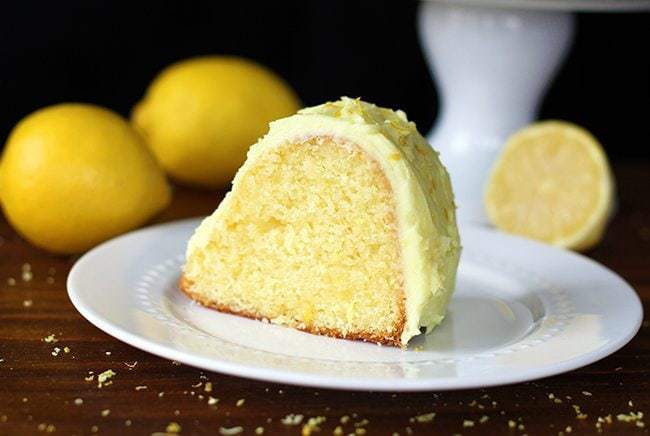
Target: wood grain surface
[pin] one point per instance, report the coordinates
(43, 393)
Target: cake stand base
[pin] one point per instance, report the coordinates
(491, 66)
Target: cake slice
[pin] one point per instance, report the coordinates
(341, 223)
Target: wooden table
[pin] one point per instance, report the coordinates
(41, 393)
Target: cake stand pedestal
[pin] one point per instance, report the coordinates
(492, 61)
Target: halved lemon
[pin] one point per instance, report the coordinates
(552, 183)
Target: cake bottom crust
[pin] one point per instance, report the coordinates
(393, 339)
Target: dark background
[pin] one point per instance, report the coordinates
(106, 52)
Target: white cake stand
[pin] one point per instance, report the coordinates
(492, 61)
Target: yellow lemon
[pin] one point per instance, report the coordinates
(200, 116)
(74, 175)
(552, 183)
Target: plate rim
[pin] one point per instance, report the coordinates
(299, 378)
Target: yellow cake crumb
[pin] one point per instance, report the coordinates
(312, 425)
(629, 417)
(425, 417)
(50, 339)
(230, 431)
(361, 423)
(103, 379)
(173, 427)
(292, 419)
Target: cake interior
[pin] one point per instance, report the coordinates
(310, 240)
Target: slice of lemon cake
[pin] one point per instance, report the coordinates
(341, 222)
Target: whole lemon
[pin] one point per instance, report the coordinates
(74, 175)
(200, 116)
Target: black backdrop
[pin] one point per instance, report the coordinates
(106, 52)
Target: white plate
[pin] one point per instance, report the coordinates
(521, 311)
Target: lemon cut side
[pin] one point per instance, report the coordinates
(552, 183)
